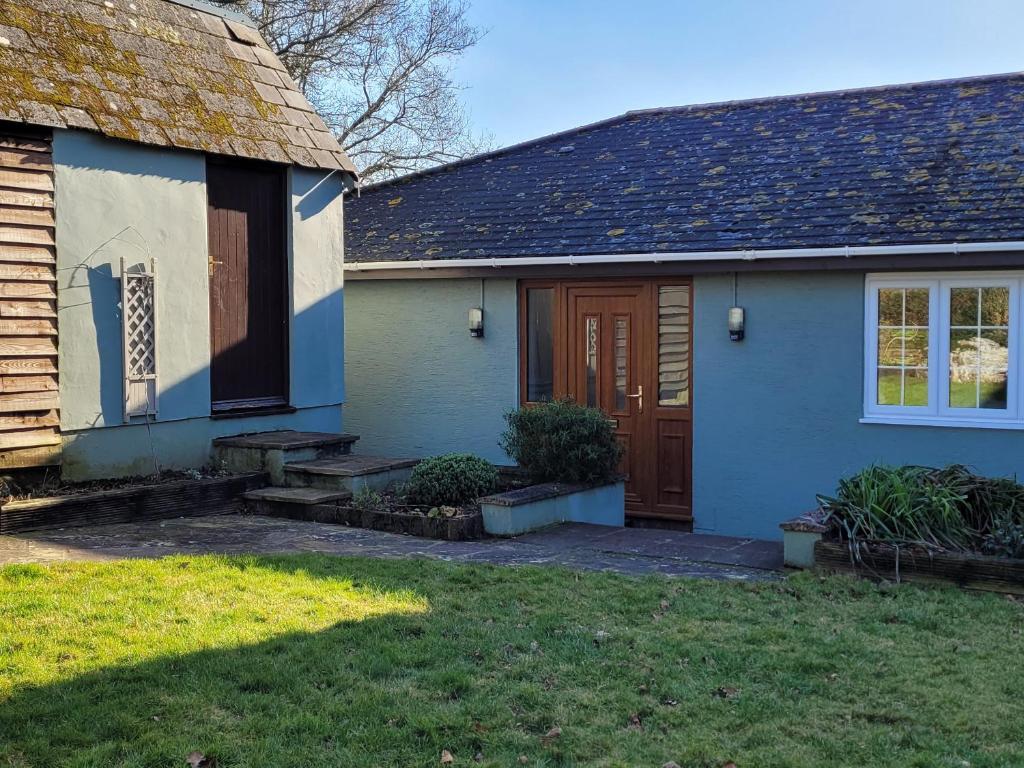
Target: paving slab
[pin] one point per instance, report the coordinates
(576, 546)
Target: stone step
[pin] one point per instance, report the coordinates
(296, 503)
(351, 473)
(269, 451)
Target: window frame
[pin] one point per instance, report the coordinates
(938, 412)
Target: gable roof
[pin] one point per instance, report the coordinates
(181, 74)
(936, 162)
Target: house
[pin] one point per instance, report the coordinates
(170, 219)
(764, 296)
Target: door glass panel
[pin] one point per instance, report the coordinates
(540, 357)
(674, 345)
(621, 362)
(903, 346)
(979, 349)
(592, 339)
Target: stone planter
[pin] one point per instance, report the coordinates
(462, 527)
(799, 536)
(538, 506)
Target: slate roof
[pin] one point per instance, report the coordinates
(922, 163)
(157, 72)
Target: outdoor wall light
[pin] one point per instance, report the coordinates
(737, 319)
(476, 322)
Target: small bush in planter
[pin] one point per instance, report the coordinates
(450, 480)
(562, 441)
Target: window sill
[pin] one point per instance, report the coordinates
(939, 421)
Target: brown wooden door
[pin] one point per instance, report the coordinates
(607, 341)
(248, 287)
(612, 342)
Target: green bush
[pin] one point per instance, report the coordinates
(945, 509)
(451, 480)
(561, 441)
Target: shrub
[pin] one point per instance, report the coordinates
(945, 509)
(451, 480)
(562, 441)
(368, 500)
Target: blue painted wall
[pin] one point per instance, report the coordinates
(116, 199)
(417, 383)
(776, 415)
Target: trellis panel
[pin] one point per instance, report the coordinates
(138, 319)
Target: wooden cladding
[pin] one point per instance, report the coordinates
(29, 396)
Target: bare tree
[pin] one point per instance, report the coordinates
(379, 73)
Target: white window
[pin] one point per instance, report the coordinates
(944, 349)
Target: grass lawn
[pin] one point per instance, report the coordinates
(317, 661)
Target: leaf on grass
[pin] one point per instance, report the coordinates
(447, 758)
(727, 692)
(197, 759)
(551, 735)
(671, 764)
(635, 723)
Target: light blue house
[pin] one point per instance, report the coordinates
(764, 296)
(170, 238)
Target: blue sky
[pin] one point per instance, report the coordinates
(548, 65)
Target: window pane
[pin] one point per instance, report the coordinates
(674, 345)
(903, 346)
(621, 362)
(979, 353)
(592, 342)
(540, 358)
(917, 307)
(963, 306)
(890, 386)
(915, 387)
(995, 306)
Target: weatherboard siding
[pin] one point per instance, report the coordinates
(418, 384)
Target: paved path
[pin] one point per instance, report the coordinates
(584, 547)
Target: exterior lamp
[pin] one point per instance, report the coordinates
(737, 318)
(476, 322)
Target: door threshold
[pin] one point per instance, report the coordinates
(662, 523)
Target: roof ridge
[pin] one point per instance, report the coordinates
(501, 151)
(757, 100)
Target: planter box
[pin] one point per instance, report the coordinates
(181, 498)
(538, 506)
(991, 574)
(463, 527)
(799, 536)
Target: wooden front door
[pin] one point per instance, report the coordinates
(624, 348)
(248, 287)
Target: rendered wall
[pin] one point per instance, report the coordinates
(117, 199)
(417, 383)
(776, 415)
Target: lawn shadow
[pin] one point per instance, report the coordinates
(294, 698)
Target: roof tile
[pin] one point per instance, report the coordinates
(923, 163)
(151, 71)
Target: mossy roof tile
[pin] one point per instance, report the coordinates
(155, 72)
(935, 162)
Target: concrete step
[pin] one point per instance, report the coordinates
(349, 473)
(297, 503)
(269, 451)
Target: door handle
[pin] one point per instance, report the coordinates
(209, 266)
(639, 398)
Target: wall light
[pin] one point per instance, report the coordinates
(737, 319)
(476, 322)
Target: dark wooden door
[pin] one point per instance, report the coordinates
(248, 287)
(607, 349)
(625, 347)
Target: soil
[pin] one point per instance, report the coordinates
(49, 487)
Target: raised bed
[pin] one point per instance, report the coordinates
(465, 526)
(537, 506)
(179, 498)
(991, 574)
